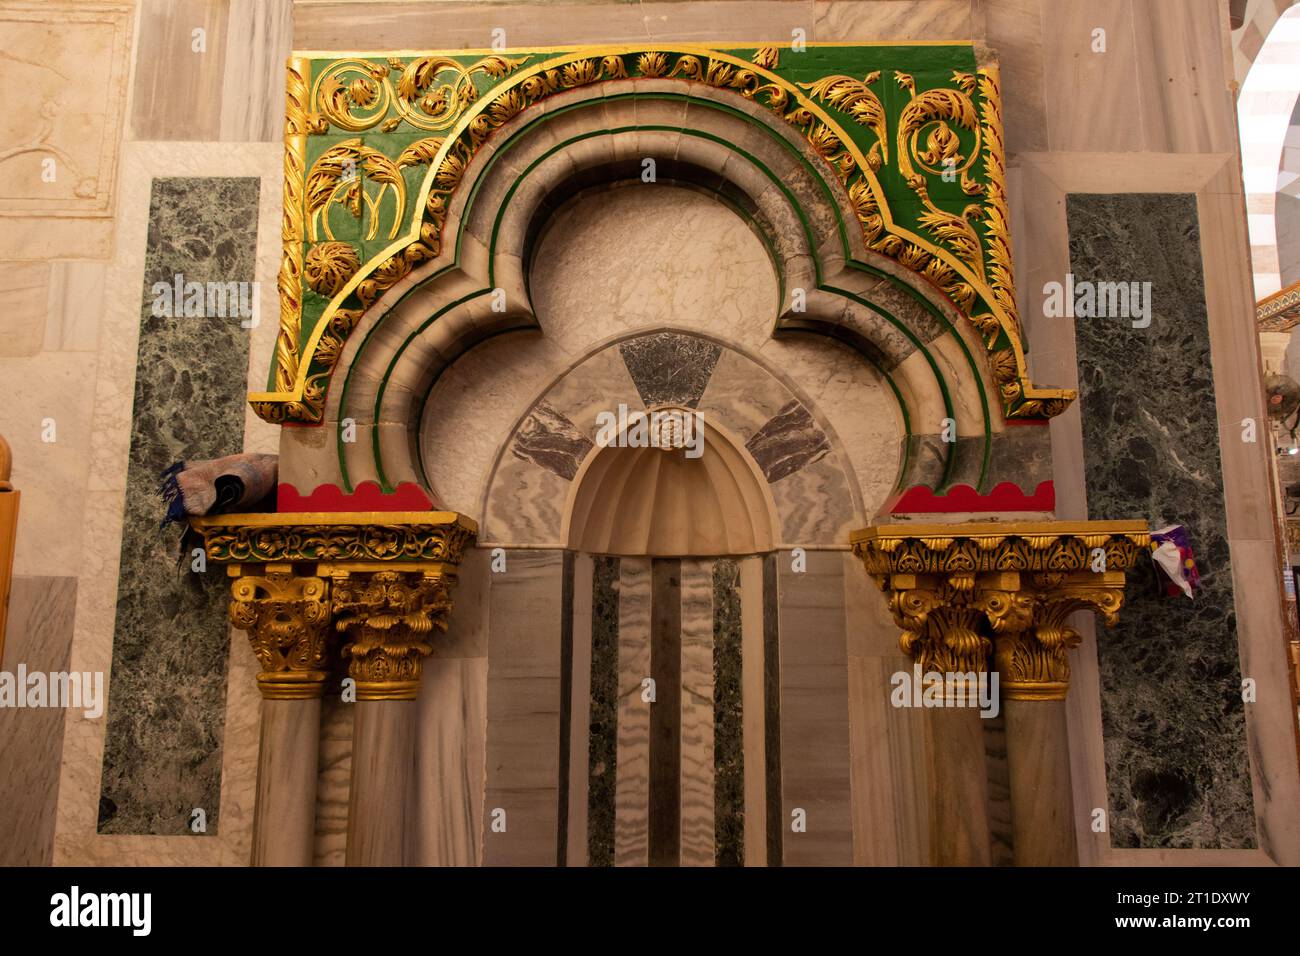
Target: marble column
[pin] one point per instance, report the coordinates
(287, 619)
(1031, 655)
(1038, 763)
(383, 751)
(942, 634)
(284, 822)
(388, 616)
(959, 816)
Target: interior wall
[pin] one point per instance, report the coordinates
(1152, 114)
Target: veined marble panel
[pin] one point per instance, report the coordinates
(360, 25)
(670, 369)
(632, 793)
(815, 760)
(1177, 766)
(549, 440)
(602, 753)
(697, 709)
(523, 711)
(728, 715)
(24, 289)
(166, 710)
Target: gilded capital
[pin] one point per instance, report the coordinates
(387, 618)
(287, 619)
(958, 591)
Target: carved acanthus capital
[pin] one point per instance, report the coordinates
(940, 618)
(287, 619)
(958, 590)
(381, 579)
(387, 617)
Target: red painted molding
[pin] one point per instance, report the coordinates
(367, 496)
(1005, 497)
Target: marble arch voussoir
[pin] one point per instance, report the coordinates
(809, 487)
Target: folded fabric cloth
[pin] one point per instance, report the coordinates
(1171, 551)
(220, 484)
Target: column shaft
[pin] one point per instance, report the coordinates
(1038, 761)
(959, 797)
(383, 752)
(284, 823)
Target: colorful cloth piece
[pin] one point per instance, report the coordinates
(1175, 565)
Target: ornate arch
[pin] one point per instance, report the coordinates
(917, 156)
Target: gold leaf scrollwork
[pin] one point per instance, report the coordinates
(431, 92)
(933, 114)
(340, 176)
(943, 131)
(424, 541)
(388, 617)
(856, 98)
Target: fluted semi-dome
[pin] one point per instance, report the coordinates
(657, 501)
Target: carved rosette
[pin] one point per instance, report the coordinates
(388, 617)
(287, 619)
(957, 591)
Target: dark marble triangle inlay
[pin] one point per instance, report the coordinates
(788, 441)
(670, 368)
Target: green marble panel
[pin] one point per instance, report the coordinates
(167, 695)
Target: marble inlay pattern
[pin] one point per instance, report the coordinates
(670, 368)
(728, 733)
(788, 441)
(547, 438)
(162, 748)
(1176, 753)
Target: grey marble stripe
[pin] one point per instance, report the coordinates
(1177, 769)
(665, 836)
(632, 781)
(772, 712)
(697, 734)
(166, 713)
(999, 774)
(790, 440)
